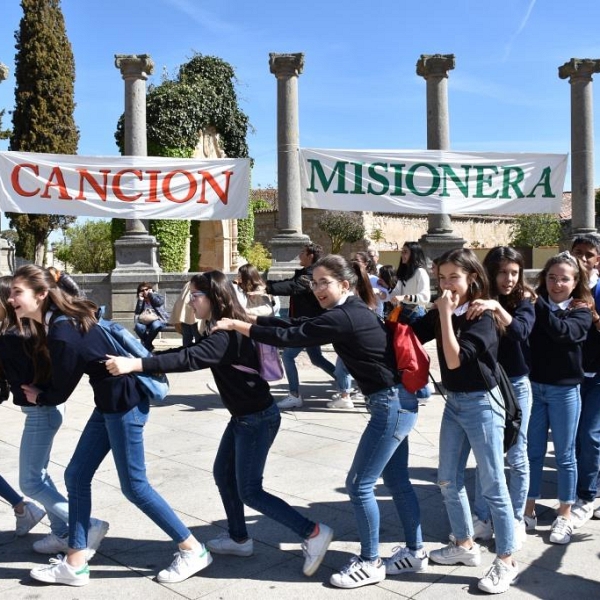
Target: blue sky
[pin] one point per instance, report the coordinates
(359, 88)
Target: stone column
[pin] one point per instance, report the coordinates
(289, 241)
(579, 72)
(434, 69)
(136, 251)
(6, 251)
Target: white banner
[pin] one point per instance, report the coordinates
(125, 187)
(432, 181)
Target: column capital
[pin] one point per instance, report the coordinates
(579, 68)
(134, 66)
(3, 72)
(286, 65)
(435, 65)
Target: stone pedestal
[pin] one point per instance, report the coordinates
(434, 69)
(290, 240)
(579, 72)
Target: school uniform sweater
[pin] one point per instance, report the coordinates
(73, 353)
(16, 357)
(358, 336)
(302, 300)
(514, 353)
(591, 346)
(556, 343)
(242, 393)
(478, 341)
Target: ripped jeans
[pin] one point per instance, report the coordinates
(473, 421)
(383, 451)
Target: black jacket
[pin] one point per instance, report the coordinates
(302, 300)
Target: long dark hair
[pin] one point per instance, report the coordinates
(416, 261)
(221, 294)
(249, 278)
(493, 262)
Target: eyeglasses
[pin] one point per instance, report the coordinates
(321, 285)
(561, 280)
(196, 295)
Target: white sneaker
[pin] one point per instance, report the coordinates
(581, 513)
(359, 572)
(60, 571)
(225, 545)
(561, 531)
(406, 560)
(186, 564)
(290, 402)
(51, 544)
(520, 535)
(499, 577)
(530, 522)
(314, 549)
(340, 402)
(31, 516)
(482, 530)
(98, 529)
(454, 555)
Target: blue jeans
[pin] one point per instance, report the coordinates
(41, 425)
(316, 358)
(555, 407)
(8, 493)
(472, 420)
(123, 433)
(516, 457)
(588, 439)
(238, 472)
(383, 450)
(343, 379)
(148, 332)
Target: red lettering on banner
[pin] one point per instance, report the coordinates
(166, 186)
(56, 173)
(116, 185)
(152, 197)
(222, 194)
(100, 189)
(16, 184)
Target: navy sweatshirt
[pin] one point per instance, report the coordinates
(556, 343)
(478, 341)
(242, 393)
(514, 353)
(15, 356)
(591, 346)
(358, 336)
(73, 353)
(303, 302)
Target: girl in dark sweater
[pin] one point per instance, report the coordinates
(361, 340)
(255, 420)
(76, 345)
(563, 318)
(472, 420)
(513, 306)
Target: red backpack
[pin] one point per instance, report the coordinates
(411, 358)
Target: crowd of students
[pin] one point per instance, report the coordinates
(547, 339)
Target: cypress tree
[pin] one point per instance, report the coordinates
(44, 105)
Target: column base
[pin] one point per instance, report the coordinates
(136, 253)
(436, 244)
(285, 249)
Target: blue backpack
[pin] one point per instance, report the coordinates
(154, 387)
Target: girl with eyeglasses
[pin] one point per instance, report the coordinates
(362, 342)
(563, 318)
(255, 420)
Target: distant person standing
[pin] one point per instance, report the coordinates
(302, 304)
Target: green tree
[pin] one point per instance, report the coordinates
(536, 230)
(44, 106)
(342, 227)
(200, 95)
(88, 247)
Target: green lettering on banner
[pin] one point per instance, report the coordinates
(483, 179)
(410, 176)
(463, 186)
(545, 183)
(317, 169)
(358, 179)
(506, 182)
(397, 180)
(379, 178)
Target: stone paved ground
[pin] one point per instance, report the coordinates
(307, 466)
